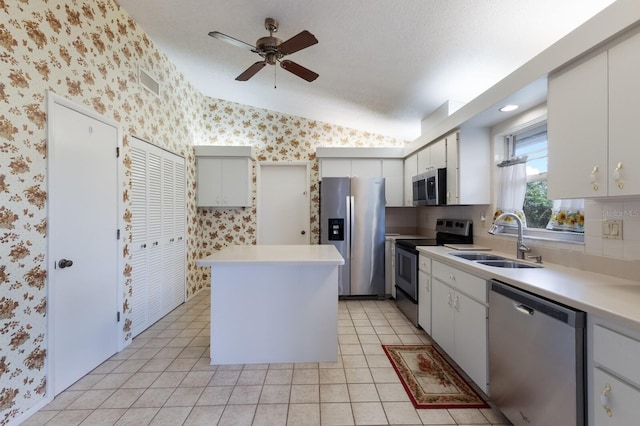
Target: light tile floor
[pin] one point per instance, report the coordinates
(164, 378)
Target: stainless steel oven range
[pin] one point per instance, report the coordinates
(448, 231)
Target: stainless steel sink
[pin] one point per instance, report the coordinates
(505, 263)
(478, 256)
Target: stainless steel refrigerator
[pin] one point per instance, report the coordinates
(352, 219)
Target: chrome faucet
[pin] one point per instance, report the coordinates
(521, 247)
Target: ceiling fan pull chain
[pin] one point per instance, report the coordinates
(275, 71)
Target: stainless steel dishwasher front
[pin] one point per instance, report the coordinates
(536, 358)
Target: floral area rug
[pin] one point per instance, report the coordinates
(430, 380)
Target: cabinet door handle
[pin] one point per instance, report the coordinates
(449, 299)
(218, 199)
(617, 176)
(456, 306)
(594, 173)
(604, 399)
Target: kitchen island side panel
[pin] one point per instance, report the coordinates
(274, 313)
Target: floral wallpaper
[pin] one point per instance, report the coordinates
(90, 52)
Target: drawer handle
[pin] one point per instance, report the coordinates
(604, 399)
(452, 277)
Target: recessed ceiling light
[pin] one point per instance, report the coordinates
(508, 108)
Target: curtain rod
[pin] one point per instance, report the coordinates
(513, 161)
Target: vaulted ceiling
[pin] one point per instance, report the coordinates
(383, 65)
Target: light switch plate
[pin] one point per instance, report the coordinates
(612, 229)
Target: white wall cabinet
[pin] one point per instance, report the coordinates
(410, 170)
(459, 315)
(468, 166)
(158, 233)
(424, 293)
(466, 155)
(393, 174)
(593, 111)
(432, 156)
(613, 374)
(223, 182)
(335, 167)
(389, 168)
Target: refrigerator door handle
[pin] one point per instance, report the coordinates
(351, 216)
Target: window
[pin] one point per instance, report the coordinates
(559, 219)
(532, 146)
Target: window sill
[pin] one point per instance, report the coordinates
(545, 235)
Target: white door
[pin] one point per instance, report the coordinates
(283, 203)
(83, 246)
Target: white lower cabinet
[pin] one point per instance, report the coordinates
(424, 293)
(614, 376)
(442, 316)
(459, 316)
(615, 402)
(393, 269)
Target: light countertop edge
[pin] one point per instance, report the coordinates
(608, 297)
(316, 255)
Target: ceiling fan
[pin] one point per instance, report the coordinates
(272, 50)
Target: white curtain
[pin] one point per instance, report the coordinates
(512, 186)
(567, 215)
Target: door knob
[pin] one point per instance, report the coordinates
(65, 263)
(302, 232)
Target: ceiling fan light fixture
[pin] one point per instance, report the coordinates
(508, 108)
(272, 49)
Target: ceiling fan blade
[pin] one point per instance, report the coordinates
(231, 40)
(298, 70)
(251, 71)
(297, 42)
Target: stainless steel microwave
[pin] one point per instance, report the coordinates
(430, 188)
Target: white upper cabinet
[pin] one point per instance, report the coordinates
(366, 168)
(223, 180)
(433, 156)
(593, 126)
(335, 167)
(577, 131)
(468, 166)
(410, 170)
(366, 162)
(439, 154)
(393, 174)
(624, 118)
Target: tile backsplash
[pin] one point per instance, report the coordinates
(619, 258)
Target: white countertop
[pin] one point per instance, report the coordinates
(281, 254)
(611, 298)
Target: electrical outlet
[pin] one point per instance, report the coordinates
(612, 229)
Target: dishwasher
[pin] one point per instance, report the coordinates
(536, 358)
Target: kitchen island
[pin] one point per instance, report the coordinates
(274, 303)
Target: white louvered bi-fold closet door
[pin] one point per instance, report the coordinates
(180, 221)
(138, 242)
(158, 211)
(154, 236)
